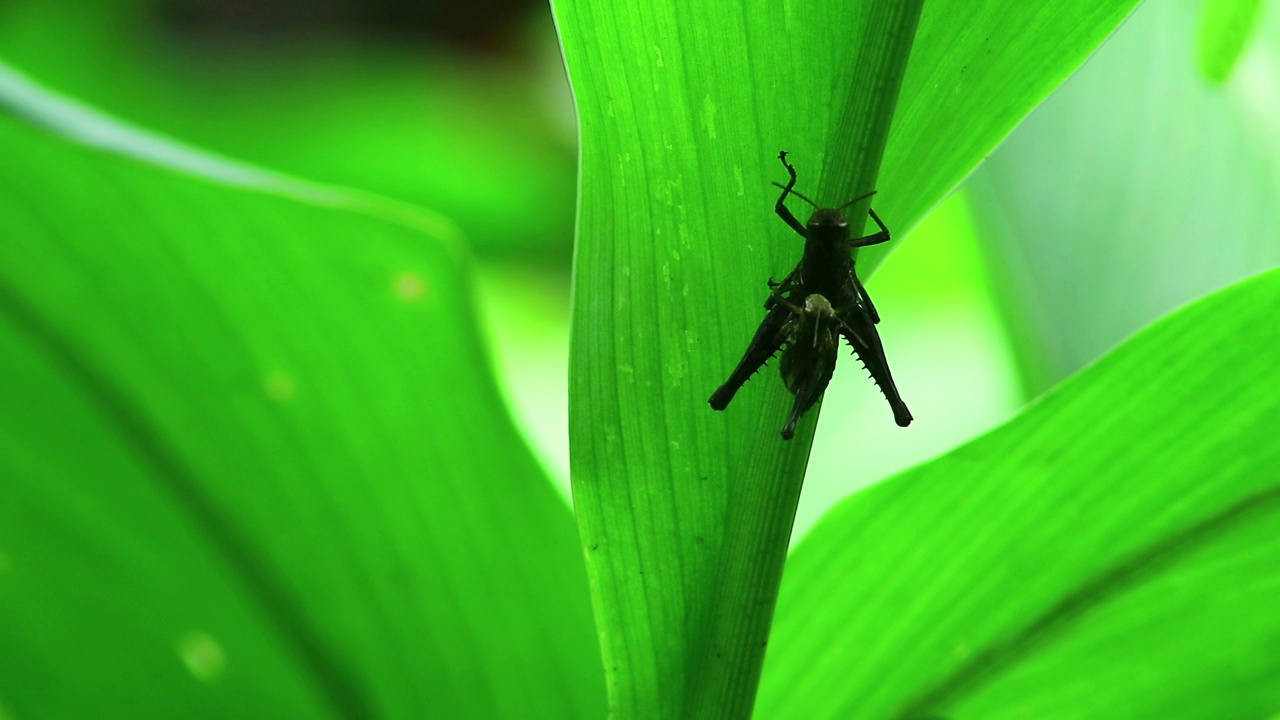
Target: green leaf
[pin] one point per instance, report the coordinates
(1225, 29)
(684, 597)
(254, 462)
(685, 513)
(1132, 191)
(1112, 552)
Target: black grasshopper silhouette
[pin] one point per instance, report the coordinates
(814, 306)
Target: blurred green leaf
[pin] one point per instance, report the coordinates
(1225, 29)
(683, 108)
(977, 69)
(255, 464)
(1130, 192)
(488, 144)
(1113, 552)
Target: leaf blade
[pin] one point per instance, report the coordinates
(1013, 553)
(292, 415)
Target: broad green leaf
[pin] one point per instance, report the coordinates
(685, 513)
(254, 463)
(1112, 552)
(1133, 190)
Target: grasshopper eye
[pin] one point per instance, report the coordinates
(827, 218)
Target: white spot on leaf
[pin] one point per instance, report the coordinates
(202, 655)
(409, 287)
(279, 386)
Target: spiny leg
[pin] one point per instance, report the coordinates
(764, 344)
(865, 341)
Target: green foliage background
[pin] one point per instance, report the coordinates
(255, 461)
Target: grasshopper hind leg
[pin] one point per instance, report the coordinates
(865, 341)
(764, 345)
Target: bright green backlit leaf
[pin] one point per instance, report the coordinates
(1112, 552)
(681, 129)
(683, 108)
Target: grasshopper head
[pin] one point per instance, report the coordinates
(826, 220)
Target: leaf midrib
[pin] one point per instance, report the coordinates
(985, 667)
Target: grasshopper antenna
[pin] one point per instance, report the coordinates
(802, 197)
(851, 202)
